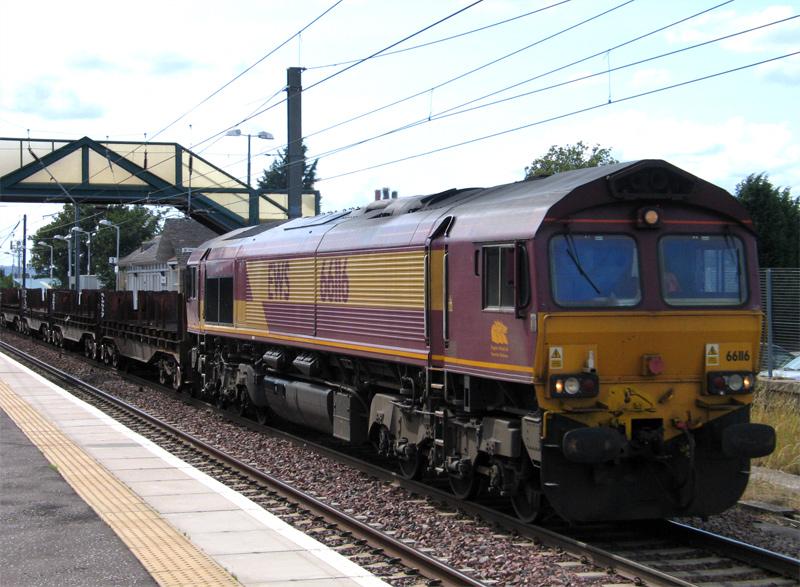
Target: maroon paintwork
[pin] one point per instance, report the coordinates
(601, 199)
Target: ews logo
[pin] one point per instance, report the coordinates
(278, 280)
(334, 284)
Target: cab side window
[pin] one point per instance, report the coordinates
(219, 300)
(498, 277)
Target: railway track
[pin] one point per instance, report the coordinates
(656, 553)
(372, 549)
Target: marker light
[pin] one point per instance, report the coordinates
(726, 383)
(578, 385)
(648, 217)
(651, 217)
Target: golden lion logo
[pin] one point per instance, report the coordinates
(499, 332)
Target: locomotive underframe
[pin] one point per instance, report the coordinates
(426, 419)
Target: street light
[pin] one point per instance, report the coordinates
(41, 244)
(116, 259)
(253, 211)
(60, 237)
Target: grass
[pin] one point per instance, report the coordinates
(769, 492)
(782, 412)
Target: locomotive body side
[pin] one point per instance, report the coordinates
(592, 333)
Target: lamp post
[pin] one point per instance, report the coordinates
(253, 201)
(76, 230)
(116, 259)
(41, 244)
(66, 239)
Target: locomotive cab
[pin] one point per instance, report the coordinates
(649, 334)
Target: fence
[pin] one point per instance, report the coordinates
(780, 301)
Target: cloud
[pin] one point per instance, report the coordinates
(723, 152)
(777, 38)
(650, 78)
(785, 72)
(47, 99)
(169, 64)
(94, 63)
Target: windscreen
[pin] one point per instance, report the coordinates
(702, 270)
(594, 270)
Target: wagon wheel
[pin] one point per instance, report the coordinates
(177, 377)
(528, 501)
(43, 332)
(414, 467)
(162, 373)
(116, 359)
(58, 339)
(465, 486)
(262, 415)
(243, 405)
(105, 351)
(87, 347)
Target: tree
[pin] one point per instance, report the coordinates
(577, 156)
(776, 219)
(276, 178)
(5, 280)
(136, 224)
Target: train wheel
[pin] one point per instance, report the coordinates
(87, 347)
(413, 467)
(58, 339)
(177, 377)
(528, 501)
(262, 415)
(466, 486)
(43, 332)
(162, 373)
(115, 358)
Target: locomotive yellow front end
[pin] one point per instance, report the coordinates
(652, 416)
(646, 360)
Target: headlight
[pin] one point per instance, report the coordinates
(578, 385)
(722, 383)
(572, 385)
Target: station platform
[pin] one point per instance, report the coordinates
(86, 501)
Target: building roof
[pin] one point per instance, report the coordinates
(177, 235)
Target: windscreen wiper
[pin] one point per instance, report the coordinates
(573, 254)
(731, 245)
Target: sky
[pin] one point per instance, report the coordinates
(187, 71)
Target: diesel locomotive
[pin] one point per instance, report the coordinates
(584, 342)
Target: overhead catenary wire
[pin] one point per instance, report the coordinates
(450, 38)
(420, 31)
(562, 116)
(248, 69)
(471, 71)
(454, 111)
(365, 59)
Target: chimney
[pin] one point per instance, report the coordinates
(377, 195)
(385, 193)
(394, 194)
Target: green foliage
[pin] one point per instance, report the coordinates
(776, 219)
(5, 280)
(136, 224)
(276, 178)
(577, 156)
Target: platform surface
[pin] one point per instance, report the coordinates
(183, 527)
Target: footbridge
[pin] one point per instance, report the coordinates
(85, 171)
